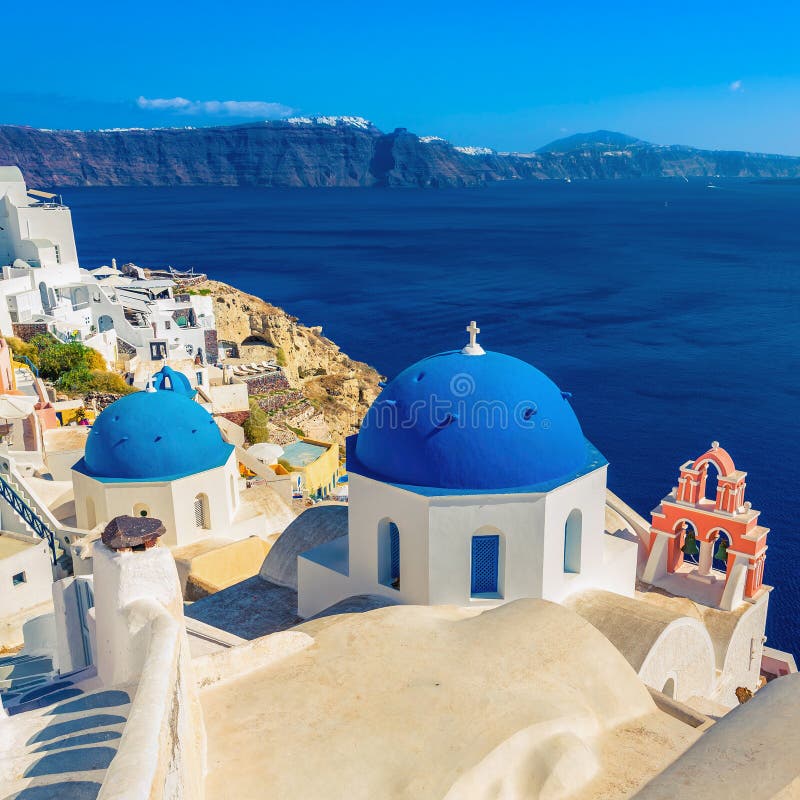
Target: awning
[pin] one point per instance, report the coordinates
(37, 193)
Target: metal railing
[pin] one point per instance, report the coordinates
(26, 360)
(28, 516)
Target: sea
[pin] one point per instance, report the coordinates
(669, 309)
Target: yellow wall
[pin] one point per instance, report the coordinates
(321, 473)
(69, 414)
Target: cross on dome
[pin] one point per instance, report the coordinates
(473, 348)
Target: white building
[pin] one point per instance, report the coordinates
(150, 320)
(38, 257)
(26, 578)
(118, 315)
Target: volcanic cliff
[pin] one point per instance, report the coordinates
(346, 151)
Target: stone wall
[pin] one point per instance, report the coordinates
(141, 636)
(263, 384)
(27, 330)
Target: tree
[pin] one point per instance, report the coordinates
(256, 425)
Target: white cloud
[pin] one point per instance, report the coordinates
(736, 86)
(219, 108)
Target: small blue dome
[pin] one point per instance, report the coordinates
(148, 436)
(167, 379)
(486, 422)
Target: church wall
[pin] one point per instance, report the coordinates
(518, 519)
(588, 495)
(742, 659)
(215, 485)
(684, 654)
(172, 502)
(117, 499)
(370, 502)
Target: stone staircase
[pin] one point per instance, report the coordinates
(62, 741)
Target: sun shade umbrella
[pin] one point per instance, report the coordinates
(266, 452)
(16, 406)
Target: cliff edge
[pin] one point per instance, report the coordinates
(328, 393)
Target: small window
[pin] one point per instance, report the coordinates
(199, 378)
(572, 542)
(19, 579)
(58, 253)
(485, 565)
(389, 554)
(201, 512)
(167, 324)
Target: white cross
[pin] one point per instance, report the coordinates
(473, 330)
(473, 348)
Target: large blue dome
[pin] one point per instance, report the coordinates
(148, 436)
(462, 422)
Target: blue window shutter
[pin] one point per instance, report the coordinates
(485, 560)
(394, 545)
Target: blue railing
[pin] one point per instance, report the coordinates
(27, 361)
(29, 516)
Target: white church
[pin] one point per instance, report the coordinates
(472, 485)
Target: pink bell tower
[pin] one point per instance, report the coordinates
(686, 521)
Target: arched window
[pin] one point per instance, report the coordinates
(141, 510)
(105, 323)
(688, 541)
(201, 515)
(485, 566)
(388, 554)
(572, 541)
(91, 515)
(719, 555)
(710, 482)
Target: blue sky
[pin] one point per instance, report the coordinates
(507, 75)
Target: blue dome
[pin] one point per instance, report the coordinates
(149, 436)
(471, 422)
(167, 378)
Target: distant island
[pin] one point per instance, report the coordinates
(351, 152)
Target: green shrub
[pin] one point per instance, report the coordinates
(22, 349)
(95, 360)
(81, 381)
(56, 360)
(280, 357)
(255, 426)
(61, 357)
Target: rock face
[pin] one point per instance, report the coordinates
(333, 385)
(346, 153)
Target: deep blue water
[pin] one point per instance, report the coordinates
(670, 310)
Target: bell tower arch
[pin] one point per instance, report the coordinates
(708, 534)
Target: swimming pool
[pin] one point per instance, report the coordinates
(301, 454)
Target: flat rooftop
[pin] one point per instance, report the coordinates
(11, 544)
(429, 702)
